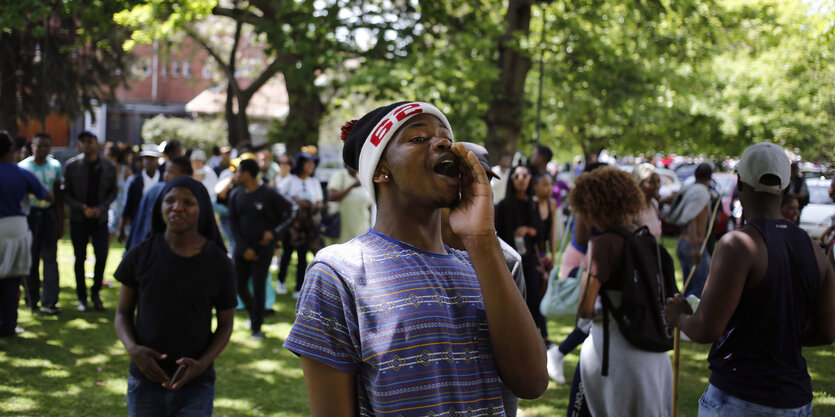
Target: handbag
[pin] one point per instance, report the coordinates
(561, 296)
(330, 226)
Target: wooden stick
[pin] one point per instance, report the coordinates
(677, 333)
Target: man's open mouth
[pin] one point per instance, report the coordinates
(448, 167)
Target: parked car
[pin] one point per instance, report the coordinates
(670, 184)
(817, 215)
(685, 171)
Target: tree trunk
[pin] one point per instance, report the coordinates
(306, 110)
(9, 45)
(504, 117)
(236, 120)
(592, 146)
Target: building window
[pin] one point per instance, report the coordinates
(186, 69)
(175, 69)
(142, 68)
(206, 71)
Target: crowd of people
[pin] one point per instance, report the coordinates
(433, 304)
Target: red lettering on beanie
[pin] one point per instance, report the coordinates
(403, 111)
(381, 131)
(400, 114)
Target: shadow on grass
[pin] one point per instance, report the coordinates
(73, 364)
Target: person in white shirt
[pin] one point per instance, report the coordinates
(138, 185)
(353, 203)
(303, 235)
(499, 185)
(203, 173)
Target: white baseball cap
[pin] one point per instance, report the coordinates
(150, 149)
(198, 155)
(764, 158)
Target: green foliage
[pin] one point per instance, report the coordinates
(58, 56)
(200, 133)
(775, 80)
(693, 76)
(450, 63)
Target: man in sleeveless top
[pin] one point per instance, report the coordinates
(770, 291)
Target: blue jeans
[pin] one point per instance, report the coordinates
(715, 402)
(152, 400)
(697, 284)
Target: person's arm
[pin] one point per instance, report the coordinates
(112, 188)
(582, 232)
(730, 268)
(69, 188)
(517, 346)
(288, 211)
(318, 197)
(219, 340)
(144, 357)
(335, 194)
(234, 221)
(35, 186)
(331, 392)
(589, 288)
(555, 220)
(821, 327)
(133, 197)
(694, 233)
(57, 188)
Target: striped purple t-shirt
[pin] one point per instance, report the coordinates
(409, 324)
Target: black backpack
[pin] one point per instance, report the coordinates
(647, 280)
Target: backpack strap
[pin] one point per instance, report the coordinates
(607, 306)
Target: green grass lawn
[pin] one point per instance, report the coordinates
(73, 364)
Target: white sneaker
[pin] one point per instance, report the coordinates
(555, 364)
(296, 295)
(280, 288)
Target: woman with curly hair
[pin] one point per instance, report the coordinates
(639, 382)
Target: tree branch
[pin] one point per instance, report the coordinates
(240, 16)
(262, 79)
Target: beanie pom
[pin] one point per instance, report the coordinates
(346, 129)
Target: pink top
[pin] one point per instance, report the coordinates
(649, 217)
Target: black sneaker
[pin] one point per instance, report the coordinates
(51, 310)
(259, 335)
(98, 306)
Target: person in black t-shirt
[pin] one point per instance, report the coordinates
(172, 281)
(258, 215)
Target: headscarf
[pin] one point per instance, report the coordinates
(206, 224)
(642, 172)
